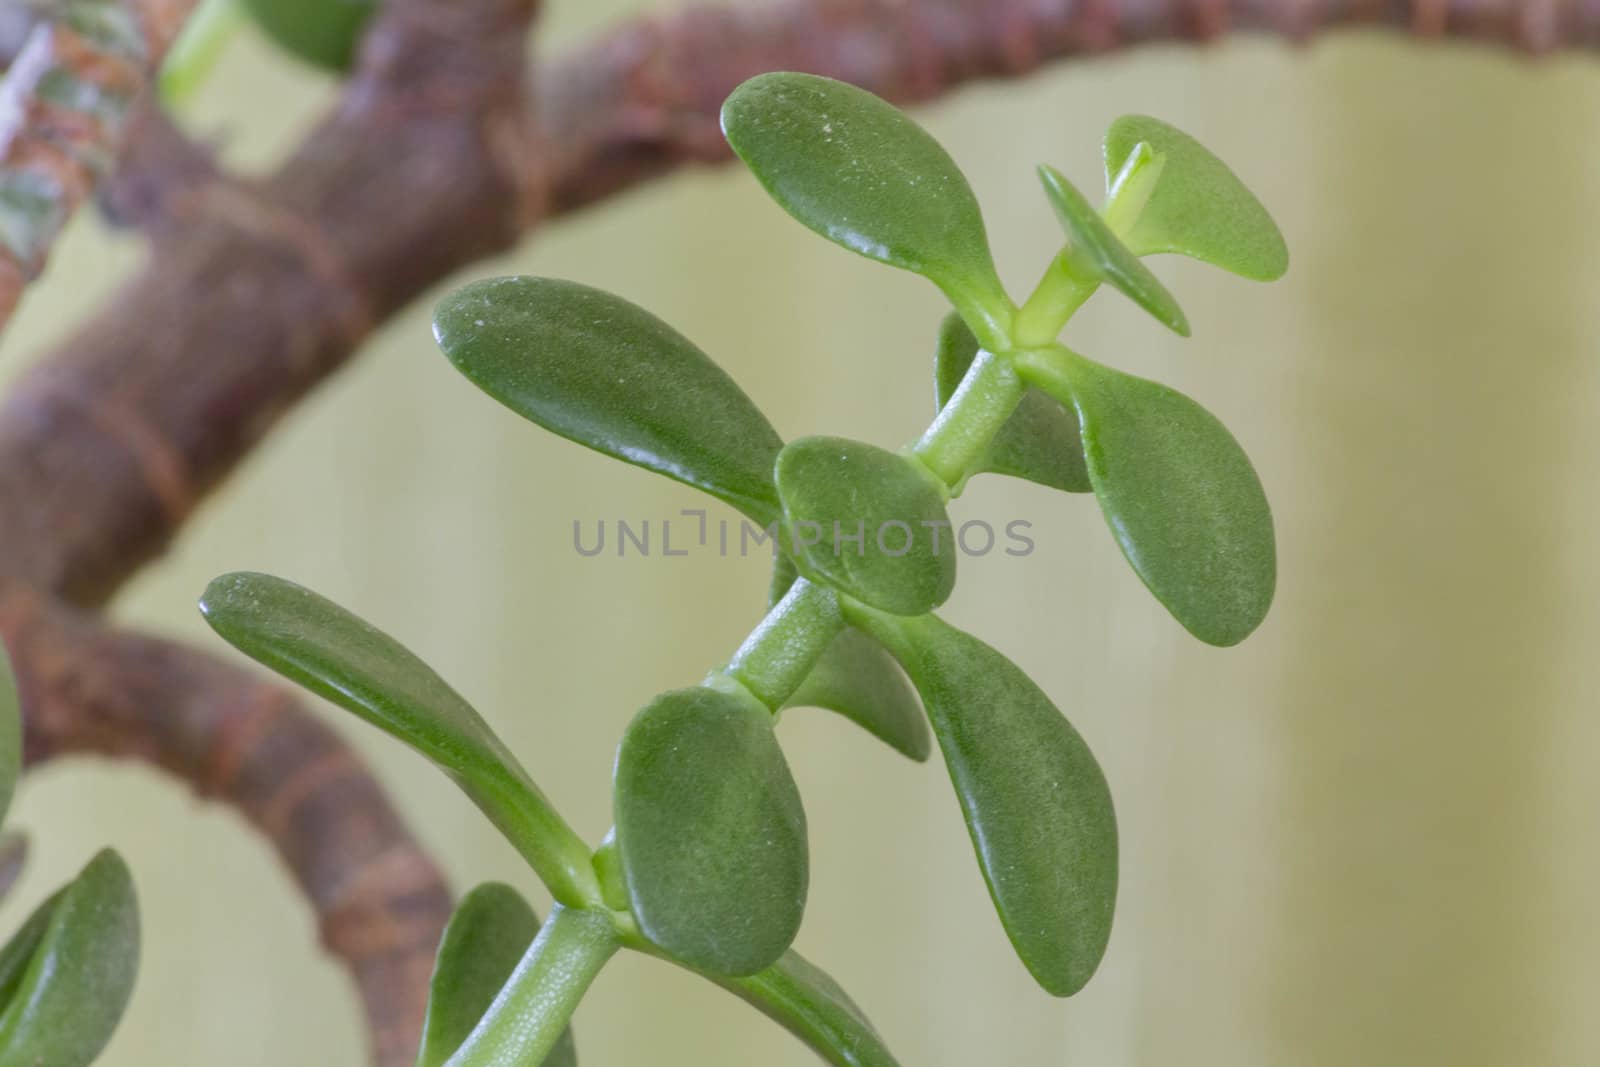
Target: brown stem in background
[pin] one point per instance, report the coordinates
(379, 901)
(256, 291)
(64, 101)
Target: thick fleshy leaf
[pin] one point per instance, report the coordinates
(490, 931)
(82, 953)
(867, 522)
(1094, 251)
(10, 733)
(710, 831)
(313, 641)
(806, 1001)
(856, 678)
(1039, 442)
(861, 173)
(607, 374)
(324, 33)
(1197, 206)
(1035, 800)
(1179, 494)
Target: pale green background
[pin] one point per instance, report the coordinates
(1367, 836)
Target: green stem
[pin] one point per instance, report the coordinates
(551, 846)
(965, 427)
(781, 651)
(527, 1018)
(1059, 294)
(1048, 368)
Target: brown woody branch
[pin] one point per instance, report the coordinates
(64, 101)
(379, 901)
(256, 292)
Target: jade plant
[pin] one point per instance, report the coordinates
(707, 863)
(68, 971)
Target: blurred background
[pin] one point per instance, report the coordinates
(1367, 835)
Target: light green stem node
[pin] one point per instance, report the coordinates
(527, 1018)
(1057, 297)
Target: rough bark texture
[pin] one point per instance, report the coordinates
(442, 150)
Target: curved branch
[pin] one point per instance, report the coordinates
(379, 901)
(64, 101)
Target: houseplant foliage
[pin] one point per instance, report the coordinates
(707, 864)
(68, 971)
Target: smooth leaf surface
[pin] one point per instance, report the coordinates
(867, 522)
(1180, 496)
(10, 733)
(324, 33)
(1035, 801)
(806, 1001)
(607, 374)
(1198, 207)
(487, 937)
(67, 1001)
(316, 643)
(860, 172)
(1039, 442)
(1094, 251)
(710, 831)
(856, 678)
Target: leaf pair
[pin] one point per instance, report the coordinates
(67, 973)
(314, 642)
(1035, 801)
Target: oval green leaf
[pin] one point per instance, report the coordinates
(1093, 251)
(868, 522)
(609, 375)
(1039, 442)
(316, 643)
(806, 1001)
(1197, 206)
(82, 953)
(1179, 494)
(1035, 801)
(710, 831)
(858, 171)
(857, 679)
(324, 33)
(10, 733)
(488, 935)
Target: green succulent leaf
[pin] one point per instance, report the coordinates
(1197, 207)
(1179, 494)
(710, 831)
(10, 733)
(316, 643)
(1035, 800)
(861, 173)
(856, 678)
(324, 33)
(833, 488)
(487, 937)
(1039, 442)
(806, 1001)
(1093, 251)
(609, 375)
(68, 973)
